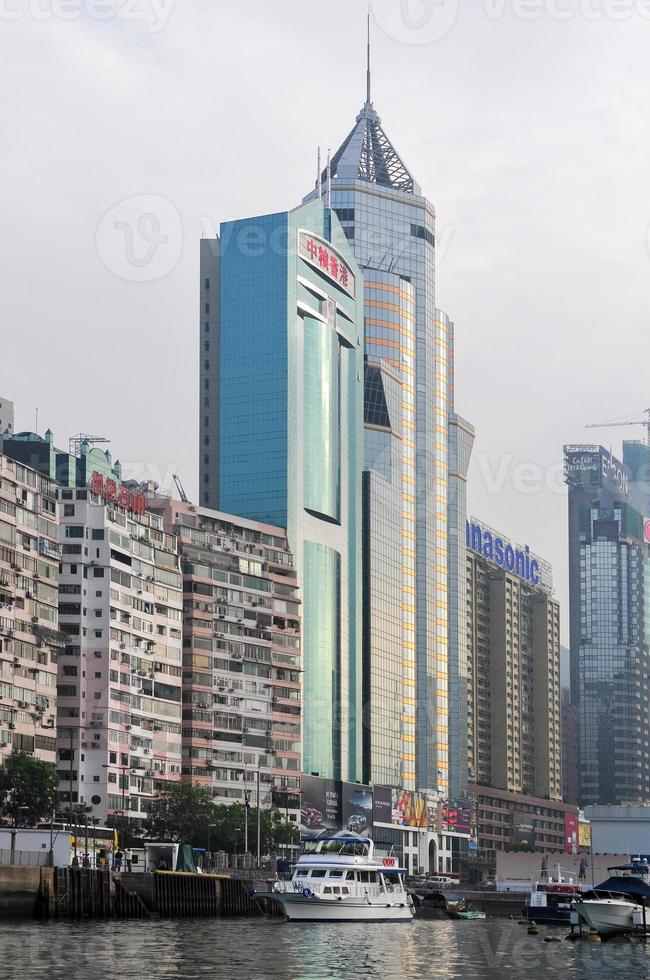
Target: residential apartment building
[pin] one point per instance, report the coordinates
(119, 717)
(241, 656)
(513, 666)
(29, 639)
(120, 612)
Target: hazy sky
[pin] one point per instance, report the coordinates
(526, 123)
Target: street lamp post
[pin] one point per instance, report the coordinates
(259, 818)
(247, 803)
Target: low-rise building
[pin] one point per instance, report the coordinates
(29, 637)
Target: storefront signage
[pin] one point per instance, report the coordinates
(646, 531)
(321, 254)
(113, 493)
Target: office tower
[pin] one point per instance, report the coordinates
(513, 666)
(416, 453)
(281, 435)
(610, 662)
(29, 637)
(241, 656)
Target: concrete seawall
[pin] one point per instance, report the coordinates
(79, 893)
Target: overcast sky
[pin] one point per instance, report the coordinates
(525, 122)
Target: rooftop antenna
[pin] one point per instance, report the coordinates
(36, 429)
(329, 179)
(368, 72)
(319, 175)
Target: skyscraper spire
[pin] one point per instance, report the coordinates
(368, 77)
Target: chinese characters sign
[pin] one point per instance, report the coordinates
(323, 256)
(113, 493)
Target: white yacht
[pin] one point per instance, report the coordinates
(608, 915)
(618, 904)
(346, 879)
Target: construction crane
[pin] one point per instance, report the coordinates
(74, 447)
(181, 489)
(610, 425)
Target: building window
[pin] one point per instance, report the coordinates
(68, 510)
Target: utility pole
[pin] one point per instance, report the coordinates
(247, 803)
(259, 818)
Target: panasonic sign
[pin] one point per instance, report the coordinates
(498, 550)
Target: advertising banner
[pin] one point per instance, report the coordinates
(356, 808)
(320, 808)
(523, 831)
(456, 817)
(584, 833)
(408, 809)
(571, 833)
(382, 808)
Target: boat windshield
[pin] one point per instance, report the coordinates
(346, 848)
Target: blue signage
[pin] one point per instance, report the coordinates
(502, 553)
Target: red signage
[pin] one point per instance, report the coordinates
(389, 862)
(570, 833)
(120, 496)
(323, 256)
(646, 531)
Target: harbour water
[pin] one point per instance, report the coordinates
(257, 950)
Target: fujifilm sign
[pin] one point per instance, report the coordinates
(496, 549)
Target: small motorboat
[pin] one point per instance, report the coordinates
(551, 899)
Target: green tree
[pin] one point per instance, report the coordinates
(28, 788)
(228, 833)
(187, 813)
(182, 812)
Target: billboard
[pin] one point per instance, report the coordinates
(320, 807)
(584, 833)
(570, 833)
(523, 831)
(456, 817)
(356, 808)
(400, 807)
(329, 806)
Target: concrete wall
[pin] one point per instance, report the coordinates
(523, 866)
(19, 888)
(620, 828)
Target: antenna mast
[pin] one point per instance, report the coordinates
(368, 76)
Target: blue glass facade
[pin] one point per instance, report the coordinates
(287, 373)
(610, 655)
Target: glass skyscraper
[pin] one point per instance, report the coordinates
(416, 453)
(281, 437)
(610, 660)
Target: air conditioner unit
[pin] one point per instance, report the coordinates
(11, 725)
(34, 619)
